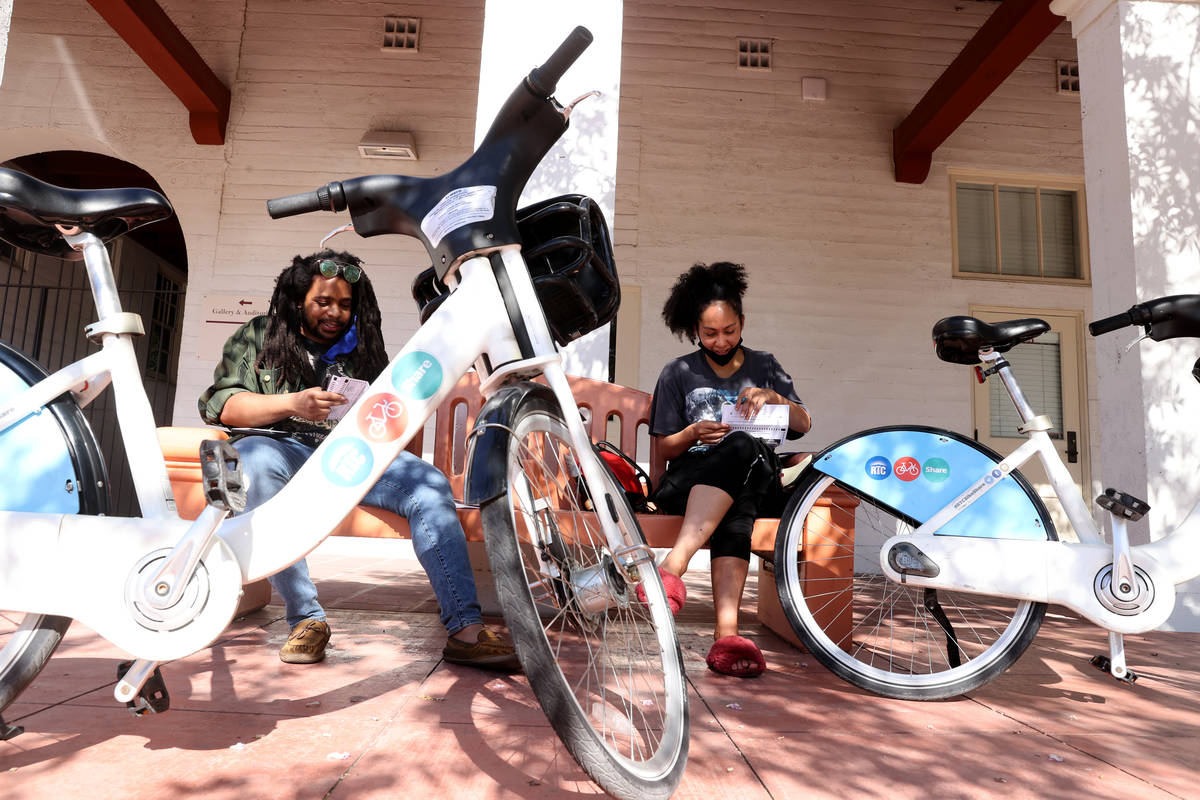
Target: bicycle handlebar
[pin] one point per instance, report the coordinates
(543, 80)
(329, 197)
(472, 207)
(1163, 318)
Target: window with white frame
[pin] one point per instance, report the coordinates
(1018, 228)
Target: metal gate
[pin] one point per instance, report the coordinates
(45, 303)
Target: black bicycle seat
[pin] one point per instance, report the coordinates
(29, 210)
(959, 339)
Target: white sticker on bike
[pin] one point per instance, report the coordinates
(460, 207)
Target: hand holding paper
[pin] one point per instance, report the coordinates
(770, 423)
(349, 388)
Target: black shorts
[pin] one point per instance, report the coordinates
(743, 467)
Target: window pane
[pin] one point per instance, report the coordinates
(1018, 231)
(976, 228)
(1038, 369)
(1060, 237)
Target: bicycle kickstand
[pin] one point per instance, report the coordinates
(9, 731)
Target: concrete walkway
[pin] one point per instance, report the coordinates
(384, 717)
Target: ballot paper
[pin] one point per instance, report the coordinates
(349, 388)
(769, 424)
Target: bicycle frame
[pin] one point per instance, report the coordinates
(1068, 573)
(95, 569)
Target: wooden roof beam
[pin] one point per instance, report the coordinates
(148, 30)
(1010, 34)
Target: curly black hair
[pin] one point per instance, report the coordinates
(697, 289)
(283, 347)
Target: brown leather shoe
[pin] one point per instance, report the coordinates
(306, 643)
(488, 652)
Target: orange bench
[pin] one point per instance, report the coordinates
(615, 413)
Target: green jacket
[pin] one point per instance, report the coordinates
(237, 373)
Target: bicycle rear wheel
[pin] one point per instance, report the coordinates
(53, 465)
(899, 641)
(606, 668)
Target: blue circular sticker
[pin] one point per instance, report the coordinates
(417, 375)
(936, 470)
(879, 468)
(347, 462)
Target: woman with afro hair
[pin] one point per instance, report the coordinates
(719, 480)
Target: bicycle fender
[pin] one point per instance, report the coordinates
(917, 471)
(487, 453)
(54, 451)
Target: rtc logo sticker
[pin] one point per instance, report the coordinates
(347, 462)
(937, 470)
(417, 375)
(907, 469)
(879, 468)
(382, 418)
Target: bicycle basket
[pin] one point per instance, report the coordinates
(566, 244)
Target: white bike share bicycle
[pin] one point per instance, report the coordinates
(916, 563)
(606, 668)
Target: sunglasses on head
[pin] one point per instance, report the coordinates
(332, 269)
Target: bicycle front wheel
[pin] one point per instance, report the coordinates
(606, 668)
(53, 465)
(899, 641)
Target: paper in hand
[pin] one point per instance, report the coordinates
(349, 388)
(770, 423)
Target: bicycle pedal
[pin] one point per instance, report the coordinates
(9, 731)
(221, 468)
(1123, 505)
(1104, 664)
(153, 697)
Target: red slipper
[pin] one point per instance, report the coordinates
(676, 591)
(727, 651)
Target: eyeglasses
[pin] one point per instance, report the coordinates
(332, 269)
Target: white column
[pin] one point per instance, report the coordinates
(519, 35)
(1138, 66)
(5, 26)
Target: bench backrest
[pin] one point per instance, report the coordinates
(629, 409)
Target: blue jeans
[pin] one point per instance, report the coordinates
(411, 488)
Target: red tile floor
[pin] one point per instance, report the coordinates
(384, 717)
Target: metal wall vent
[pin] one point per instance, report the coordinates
(754, 54)
(401, 34)
(1068, 77)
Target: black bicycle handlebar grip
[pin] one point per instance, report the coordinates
(1110, 324)
(544, 79)
(329, 197)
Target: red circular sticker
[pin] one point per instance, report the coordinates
(907, 469)
(382, 418)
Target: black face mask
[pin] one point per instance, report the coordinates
(720, 360)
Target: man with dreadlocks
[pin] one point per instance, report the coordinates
(324, 319)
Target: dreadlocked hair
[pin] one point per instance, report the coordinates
(283, 345)
(697, 289)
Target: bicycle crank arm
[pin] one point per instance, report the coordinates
(1067, 573)
(93, 569)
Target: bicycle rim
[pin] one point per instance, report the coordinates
(605, 667)
(895, 640)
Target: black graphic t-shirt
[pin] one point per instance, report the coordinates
(688, 390)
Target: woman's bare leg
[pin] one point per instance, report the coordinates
(706, 506)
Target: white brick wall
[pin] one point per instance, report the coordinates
(849, 269)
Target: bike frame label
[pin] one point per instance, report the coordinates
(382, 418)
(928, 471)
(458, 208)
(347, 462)
(417, 375)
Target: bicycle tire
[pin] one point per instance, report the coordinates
(606, 669)
(876, 634)
(28, 640)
